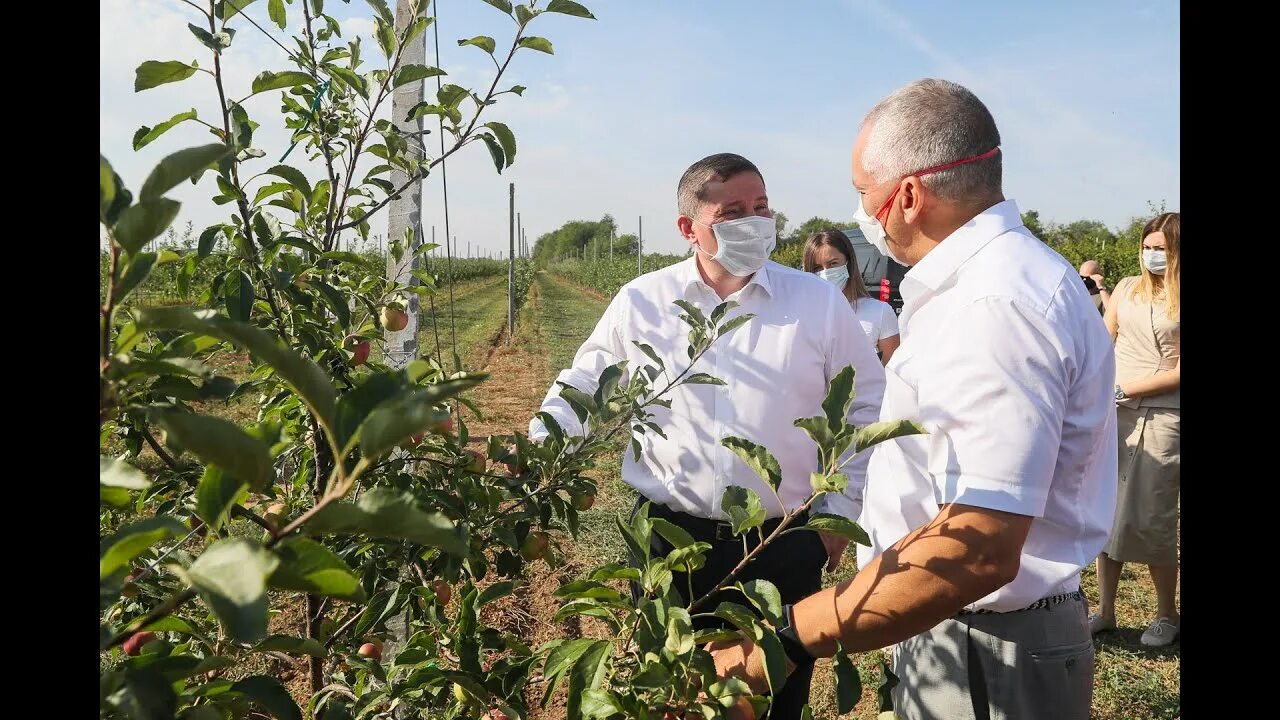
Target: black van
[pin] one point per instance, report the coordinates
(882, 275)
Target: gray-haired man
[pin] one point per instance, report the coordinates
(979, 530)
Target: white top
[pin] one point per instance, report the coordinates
(1004, 362)
(877, 318)
(777, 367)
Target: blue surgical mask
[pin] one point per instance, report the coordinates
(837, 276)
(1154, 260)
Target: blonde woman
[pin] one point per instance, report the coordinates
(830, 255)
(1143, 318)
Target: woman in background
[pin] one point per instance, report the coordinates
(830, 255)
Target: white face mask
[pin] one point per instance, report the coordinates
(837, 276)
(1155, 260)
(874, 231)
(744, 244)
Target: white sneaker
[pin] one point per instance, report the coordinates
(1160, 633)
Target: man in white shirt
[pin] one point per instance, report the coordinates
(776, 368)
(980, 528)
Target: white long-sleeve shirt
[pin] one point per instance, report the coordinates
(1004, 362)
(776, 366)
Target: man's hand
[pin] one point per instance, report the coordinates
(741, 659)
(1100, 281)
(835, 546)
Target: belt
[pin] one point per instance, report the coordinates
(1047, 602)
(708, 530)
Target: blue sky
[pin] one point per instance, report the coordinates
(1086, 95)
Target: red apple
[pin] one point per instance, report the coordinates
(371, 651)
(583, 501)
(478, 461)
(133, 646)
(443, 592)
(394, 319)
(359, 349)
(444, 427)
(534, 545)
(130, 588)
(497, 714)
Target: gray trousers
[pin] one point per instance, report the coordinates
(1025, 665)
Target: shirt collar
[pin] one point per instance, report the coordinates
(691, 277)
(944, 260)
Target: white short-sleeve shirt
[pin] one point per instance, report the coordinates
(1004, 362)
(876, 317)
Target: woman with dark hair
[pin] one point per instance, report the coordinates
(830, 255)
(1144, 320)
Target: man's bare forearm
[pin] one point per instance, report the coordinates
(965, 554)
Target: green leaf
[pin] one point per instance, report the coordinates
(136, 271)
(180, 166)
(506, 138)
(308, 566)
(484, 42)
(560, 659)
(819, 431)
(291, 645)
(540, 44)
(385, 33)
(838, 525)
(231, 7)
(208, 239)
(304, 376)
(275, 11)
(171, 623)
(383, 10)
(588, 589)
(412, 73)
(216, 494)
(694, 313)
(583, 404)
(756, 457)
(839, 397)
(142, 223)
(267, 692)
(106, 186)
(494, 592)
(268, 80)
(702, 379)
(634, 543)
(679, 632)
(145, 134)
(146, 695)
(569, 8)
(349, 78)
(552, 426)
(588, 673)
(222, 443)
(608, 383)
(503, 5)
(525, 13)
(598, 703)
(733, 324)
(115, 472)
(393, 422)
(117, 550)
(743, 507)
(215, 42)
(650, 352)
(237, 295)
(153, 73)
(876, 433)
(518, 90)
(386, 513)
(765, 596)
(336, 301)
(294, 177)
(673, 533)
(848, 683)
(495, 151)
(231, 577)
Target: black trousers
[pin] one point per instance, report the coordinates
(793, 563)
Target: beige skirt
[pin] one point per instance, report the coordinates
(1146, 523)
